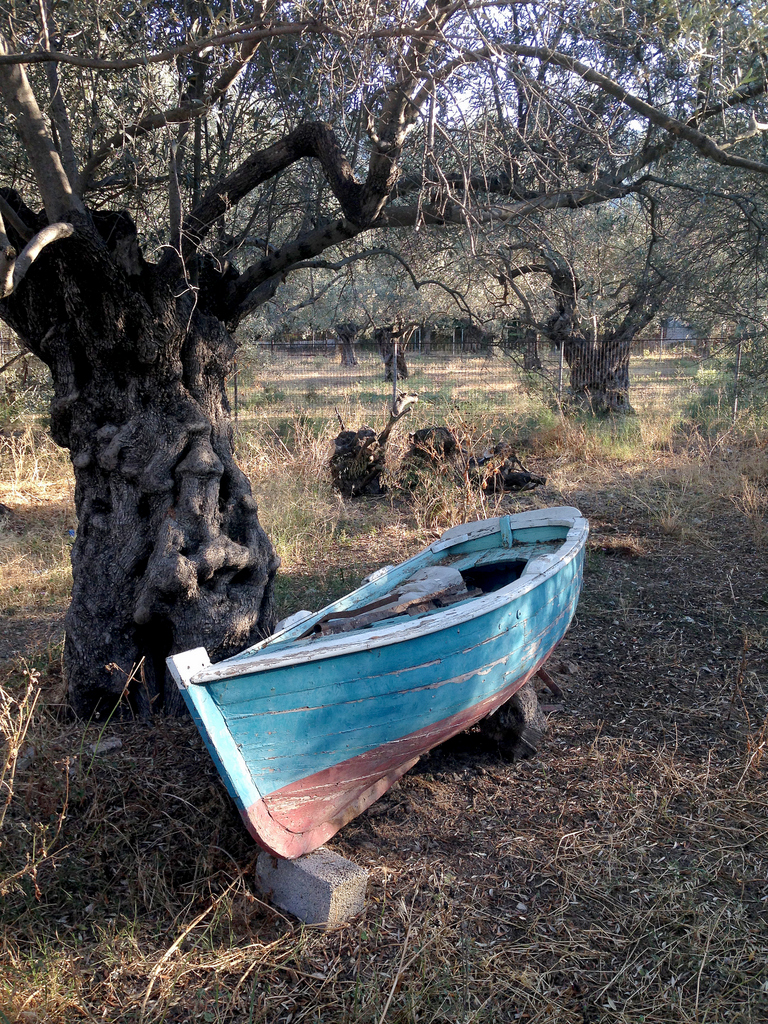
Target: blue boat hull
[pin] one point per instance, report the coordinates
(305, 746)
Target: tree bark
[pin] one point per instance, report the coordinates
(385, 340)
(346, 334)
(169, 553)
(600, 370)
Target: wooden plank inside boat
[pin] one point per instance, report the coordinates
(436, 586)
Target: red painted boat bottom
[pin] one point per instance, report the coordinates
(298, 818)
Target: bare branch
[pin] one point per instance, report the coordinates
(270, 272)
(59, 113)
(18, 225)
(313, 298)
(147, 125)
(381, 251)
(326, 265)
(312, 139)
(175, 115)
(676, 128)
(400, 109)
(573, 199)
(15, 359)
(745, 92)
(13, 270)
(51, 177)
(230, 37)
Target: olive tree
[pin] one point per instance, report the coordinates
(168, 166)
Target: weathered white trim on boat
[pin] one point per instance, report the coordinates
(225, 751)
(539, 568)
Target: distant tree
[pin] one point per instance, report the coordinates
(392, 342)
(347, 333)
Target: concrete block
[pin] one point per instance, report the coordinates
(319, 888)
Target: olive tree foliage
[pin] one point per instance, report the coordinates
(621, 110)
(168, 167)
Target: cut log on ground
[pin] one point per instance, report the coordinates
(432, 443)
(503, 471)
(494, 471)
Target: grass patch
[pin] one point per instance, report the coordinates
(36, 494)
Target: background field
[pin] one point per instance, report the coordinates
(273, 383)
(620, 877)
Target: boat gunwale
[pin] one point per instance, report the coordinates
(538, 570)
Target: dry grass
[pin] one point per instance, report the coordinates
(620, 877)
(37, 523)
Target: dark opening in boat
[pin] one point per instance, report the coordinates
(495, 576)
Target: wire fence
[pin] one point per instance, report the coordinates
(453, 377)
(311, 376)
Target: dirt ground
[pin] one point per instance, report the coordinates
(620, 876)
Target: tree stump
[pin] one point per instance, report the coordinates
(359, 456)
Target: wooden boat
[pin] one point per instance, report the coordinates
(312, 725)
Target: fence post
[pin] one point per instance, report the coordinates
(236, 373)
(560, 375)
(736, 382)
(394, 373)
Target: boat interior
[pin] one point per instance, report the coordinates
(448, 579)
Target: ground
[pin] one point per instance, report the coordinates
(619, 877)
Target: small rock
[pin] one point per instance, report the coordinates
(105, 745)
(567, 668)
(25, 758)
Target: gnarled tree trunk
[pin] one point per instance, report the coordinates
(599, 365)
(347, 333)
(169, 552)
(600, 370)
(385, 340)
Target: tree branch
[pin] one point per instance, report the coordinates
(573, 199)
(400, 109)
(59, 114)
(13, 269)
(269, 272)
(368, 254)
(312, 139)
(175, 115)
(52, 180)
(18, 225)
(672, 125)
(147, 125)
(675, 127)
(229, 37)
(14, 359)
